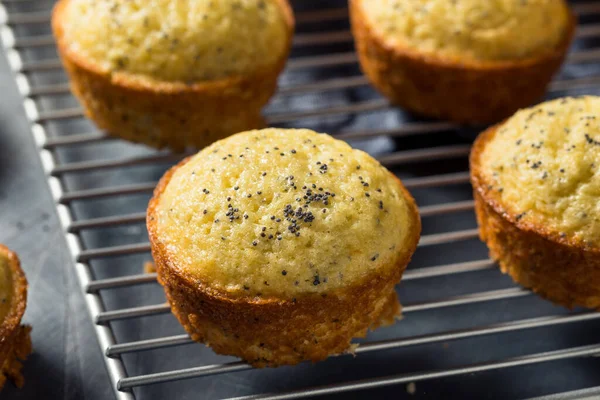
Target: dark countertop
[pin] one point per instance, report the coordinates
(66, 363)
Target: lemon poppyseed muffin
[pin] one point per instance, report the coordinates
(15, 342)
(173, 73)
(536, 180)
(470, 61)
(279, 246)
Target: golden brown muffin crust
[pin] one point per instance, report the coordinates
(560, 268)
(469, 30)
(280, 322)
(472, 92)
(169, 114)
(276, 330)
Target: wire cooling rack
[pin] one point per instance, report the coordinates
(468, 331)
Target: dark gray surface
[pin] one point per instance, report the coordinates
(66, 363)
(67, 360)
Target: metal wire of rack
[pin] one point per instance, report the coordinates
(95, 182)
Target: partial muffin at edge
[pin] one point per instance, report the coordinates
(173, 75)
(279, 246)
(15, 342)
(463, 61)
(536, 184)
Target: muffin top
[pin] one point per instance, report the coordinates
(178, 40)
(283, 213)
(6, 286)
(470, 30)
(544, 163)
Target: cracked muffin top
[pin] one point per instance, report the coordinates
(178, 40)
(474, 30)
(283, 213)
(543, 164)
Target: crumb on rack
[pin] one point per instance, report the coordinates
(149, 267)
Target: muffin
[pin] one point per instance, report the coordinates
(469, 61)
(536, 180)
(15, 342)
(279, 246)
(173, 73)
